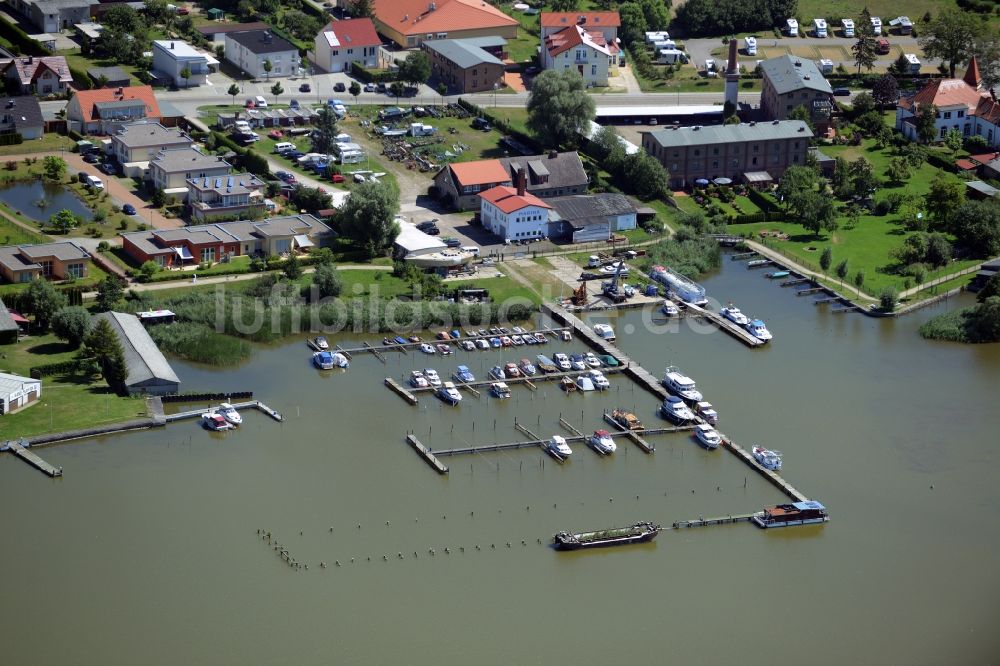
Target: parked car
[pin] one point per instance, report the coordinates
(452, 242)
(128, 209)
(275, 134)
(432, 231)
(250, 104)
(427, 224)
(91, 158)
(337, 177)
(108, 169)
(481, 124)
(842, 92)
(260, 102)
(305, 87)
(293, 154)
(369, 87)
(381, 88)
(339, 86)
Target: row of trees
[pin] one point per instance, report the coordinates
(726, 17)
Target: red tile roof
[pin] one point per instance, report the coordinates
(482, 172)
(354, 32)
(590, 19)
(972, 76)
(942, 93)
(414, 17)
(966, 165)
(988, 109)
(576, 35)
(508, 200)
(88, 98)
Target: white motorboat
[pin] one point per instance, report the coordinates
(228, 412)
(757, 329)
(449, 394)
(680, 384)
(540, 338)
(517, 340)
(602, 442)
(707, 412)
(215, 421)
(584, 383)
(427, 349)
(417, 380)
(340, 360)
(578, 362)
(669, 308)
(601, 382)
(321, 343)
(559, 446)
(527, 368)
(431, 375)
(676, 411)
(566, 336)
(591, 360)
(733, 314)
(467, 345)
(562, 361)
(605, 331)
(707, 435)
(767, 458)
(482, 343)
(613, 269)
(496, 372)
(500, 390)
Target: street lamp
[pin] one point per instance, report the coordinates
(495, 87)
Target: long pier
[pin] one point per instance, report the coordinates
(719, 520)
(426, 454)
(724, 324)
(405, 346)
(529, 381)
(20, 449)
(253, 404)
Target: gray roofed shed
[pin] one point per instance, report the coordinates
(148, 369)
(721, 134)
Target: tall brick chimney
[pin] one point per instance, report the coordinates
(522, 182)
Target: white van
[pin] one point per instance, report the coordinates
(819, 28)
(848, 26)
(877, 26)
(471, 249)
(283, 146)
(95, 182)
(751, 44)
(792, 27)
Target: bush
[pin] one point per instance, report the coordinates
(887, 299)
(148, 270)
(199, 343)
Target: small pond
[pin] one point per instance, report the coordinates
(39, 200)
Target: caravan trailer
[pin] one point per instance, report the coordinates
(751, 44)
(665, 44)
(877, 26)
(819, 28)
(656, 36)
(848, 26)
(671, 57)
(825, 66)
(792, 27)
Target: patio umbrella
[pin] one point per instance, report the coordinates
(723, 181)
(701, 182)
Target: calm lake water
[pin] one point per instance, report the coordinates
(147, 552)
(39, 200)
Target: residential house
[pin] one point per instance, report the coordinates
(21, 115)
(251, 49)
(550, 175)
(170, 170)
(54, 15)
(590, 217)
(106, 110)
(960, 104)
(729, 151)
(216, 32)
(148, 369)
(61, 260)
(17, 392)
(789, 82)
(512, 213)
(88, 33)
(211, 242)
(172, 56)
(459, 184)
(212, 197)
(464, 66)
(585, 51)
(607, 23)
(135, 144)
(9, 328)
(411, 22)
(36, 75)
(109, 77)
(343, 42)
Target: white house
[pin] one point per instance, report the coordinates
(171, 56)
(343, 42)
(17, 392)
(251, 49)
(513, 214)
(585, 51)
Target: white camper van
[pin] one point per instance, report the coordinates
(751, 44)
(877, 26)
(792, 27)
(819, 28)
(848, 26)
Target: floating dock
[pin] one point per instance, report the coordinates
(253, 404)
(720, 520)
(20, 449)
(724, 324)
(535, 441)
(405, 346)
(400, 391)
(426, 454)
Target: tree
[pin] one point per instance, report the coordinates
(801, 113)
(796, 179)
(950, 37)
(841, 271)
(149, 269)
(324, 134)
(43, 301)
(309, 199)
(124, 19)
(362, 8)
(559, 107)
(54, 167)
(156, 11)
(368, 217)
(859, 281)
(102, 344)
(327, 281)
(979, 231)
(953, 139)
(863, 103)
(354, 89)
(110, 291)
(943, 199)
(826, 259)
(887, 299)
(185, 74)
(564, 5)
(982, 323)
(899, 170)
(646, 176)
(300, 24)
(863, 178)
(63, 220)
(990, 289)
(276, 90)
(268, 66)
(657, 13)
(416, 69)
(885, 92)
(71, 324)
(442, 90)
(233, 91)
(726, 17)
(841, 179)
(815, 211)
(938, 250)
(293, 267)
(397, 89)
(864, 48)
(883, 138)
(634, 25)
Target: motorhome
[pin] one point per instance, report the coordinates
(671, 57)
(848, 26)
(792, 27)
(751, 44)
(914, 63)
(819, 28)
(825, 66)
(877, 26)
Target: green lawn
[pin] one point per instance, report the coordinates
(501, 289)
(525, 47)
(67, 401)
(50, 142)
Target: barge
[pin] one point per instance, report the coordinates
(637, 533)
(809, 512)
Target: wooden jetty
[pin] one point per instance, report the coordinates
(253, 404)
(528, 381)
(400, 391)
(570, 427)
(775, 479)
(632, 435)
(405, 346)
(724, 324)
(828, 299)
(795, 281)
(368, 348)
(20, 449)
(536, 442)
(426, 454)
(849, 308)
(719, 520)
(344, 352)
(810, 290)
(743, 255)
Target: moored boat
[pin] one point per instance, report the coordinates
(510, 369)
(228, 412)
(449, 394)
(669, 308)
(562, 362)
(757, 329)
(540, 338)
(757, 263)
(463, 374)
(679, 286)
(565, 336)
(500, 390)
(567, 384)
(605, 331)
(482, 343)
(321, 343)
(774, 275)
(427, 349)
(432, 377)
(680, 384)
(809, 512)
(444, 349)
(585, 383)
(545, 364)
(467, 345)
(417, 380)
(618, 536)
(767, 458)
(592, 360)
(323, 360)
(707, 435)
(626, 420)
(733, 314)
(675, 411)
(215, 421)
(602, 442)
(601, 382)
(558, 446)
(527, 368)
(340, 360)
(496, 372)
(707, 412)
